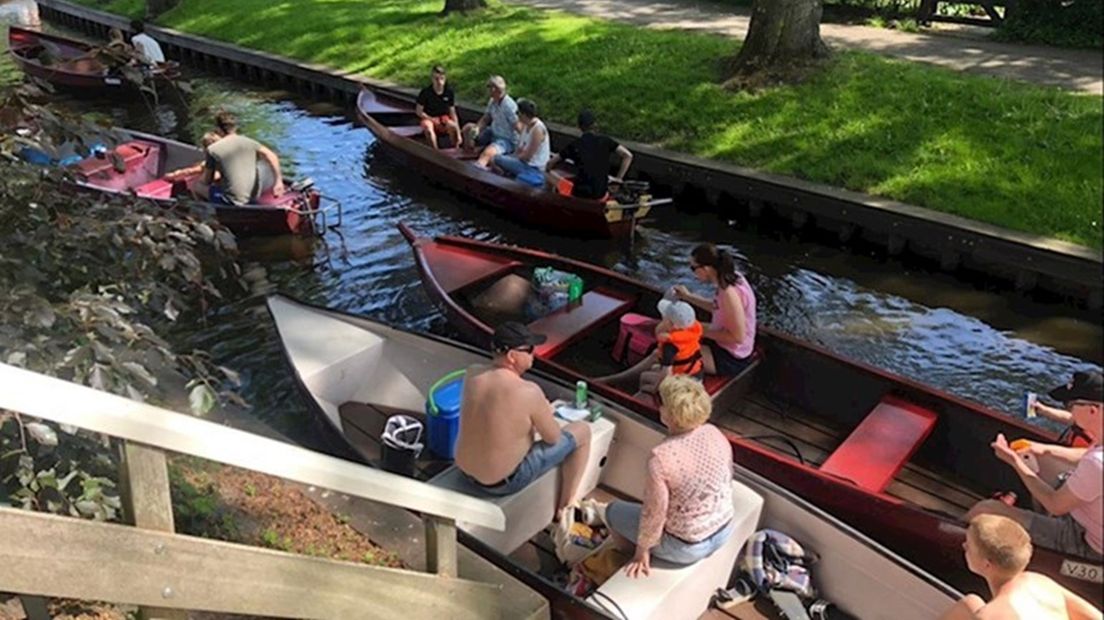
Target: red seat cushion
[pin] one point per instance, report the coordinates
(881, 444)
(455, 268)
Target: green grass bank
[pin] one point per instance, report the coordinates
(1024, 157)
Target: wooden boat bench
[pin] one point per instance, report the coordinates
(881, 444)
(575, 321)
(407, 131)
(530, 510)
(682, 592)
(456, 268)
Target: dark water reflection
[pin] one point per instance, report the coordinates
(983, 346)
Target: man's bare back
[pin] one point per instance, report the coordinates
(499, 413)
(1032, 596)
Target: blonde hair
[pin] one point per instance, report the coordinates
(686, 403)
(1001, 541)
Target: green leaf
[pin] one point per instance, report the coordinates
(140, 371)
(201, 399)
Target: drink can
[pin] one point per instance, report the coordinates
(581, 395)
(1029, 400)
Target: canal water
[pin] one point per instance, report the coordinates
(985, 346)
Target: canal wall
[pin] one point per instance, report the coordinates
(1048, 269)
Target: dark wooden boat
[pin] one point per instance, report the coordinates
(355, 373)
(899, 460)
(73, 67)
(455, 168)
(138, 165)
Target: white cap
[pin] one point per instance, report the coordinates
(679, 313)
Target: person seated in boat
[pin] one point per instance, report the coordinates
(729, 341)
(147, 48)
(533, 150)
(234, 160)
(591, 154)
(998, 549)
(496, 131)
(436, 108)
(117, 43)
(1073, 522)
(687, 511)
(499, 411)
(678, 351)
(1061, 416)
(183, 174)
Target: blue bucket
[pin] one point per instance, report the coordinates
(443, 414)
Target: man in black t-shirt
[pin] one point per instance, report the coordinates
(590, 153)
(437, 109)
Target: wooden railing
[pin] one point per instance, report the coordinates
(150, 566)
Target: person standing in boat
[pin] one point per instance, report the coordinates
(729, 341)
(496, 131)
(499, 411)
(235, 160)
(528, 162)
(148, 49)
(687, 510)
(591, 154)
(1074, 519)
(998, 549)
(436, 107)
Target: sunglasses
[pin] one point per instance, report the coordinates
(694, 267)
(1074, 403)
(525, 349)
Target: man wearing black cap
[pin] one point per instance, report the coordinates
(1074, 522)
(499, 412)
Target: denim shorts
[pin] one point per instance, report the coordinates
(1063, 534)
(541, 458)
(624, 518)
(487, 138)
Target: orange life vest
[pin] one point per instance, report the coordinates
(687, 346)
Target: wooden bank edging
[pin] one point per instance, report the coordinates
(1026, 261)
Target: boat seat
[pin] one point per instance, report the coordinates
(881, 444)
(460, 153)
(157, 188)
(530, 510)
(715, 383)
(674, 592)
(407, 131)
(131, 153)
(575, 321)
(455, 268)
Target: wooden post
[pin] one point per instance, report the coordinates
(144, 478)
(440, 546)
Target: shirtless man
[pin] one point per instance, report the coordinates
(998, 549)
(499, 411)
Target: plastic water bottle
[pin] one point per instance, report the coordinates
(1029, 400)
(580, 395)
(574, 289)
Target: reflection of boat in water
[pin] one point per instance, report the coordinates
(138, 165)
(70, 63)
(355, 373)
(455, 168)
(897, 459)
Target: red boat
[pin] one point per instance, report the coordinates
(71, 66)
(899, 460)
(138, 165)
(455, 168)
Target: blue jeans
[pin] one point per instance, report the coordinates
(487, 138)
(530, 175)
(624, 518)
(540, 458)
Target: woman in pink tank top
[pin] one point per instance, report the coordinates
(728, 342)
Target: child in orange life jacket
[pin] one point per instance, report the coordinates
(678, 346)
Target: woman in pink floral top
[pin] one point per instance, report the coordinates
(687, 511)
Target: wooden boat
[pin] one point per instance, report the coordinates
(355, 373)
(455, 168)
(73, 66)
(138, 165)
(897, 459)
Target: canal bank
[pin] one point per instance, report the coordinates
(1051, 270)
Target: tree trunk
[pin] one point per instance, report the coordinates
(782, 34)
(157, 7)
(463, 5)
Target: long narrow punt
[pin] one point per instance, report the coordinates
(454, 168)
(355, 372)
(898, 459)
(138, 164)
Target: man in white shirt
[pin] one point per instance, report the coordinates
(148, 48)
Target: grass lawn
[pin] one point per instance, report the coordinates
(1016, 155)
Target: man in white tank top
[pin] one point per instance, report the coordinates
(528, 161)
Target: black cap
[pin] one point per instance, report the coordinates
(1086, 385)
(511, 335)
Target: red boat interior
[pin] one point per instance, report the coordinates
(876, 450)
